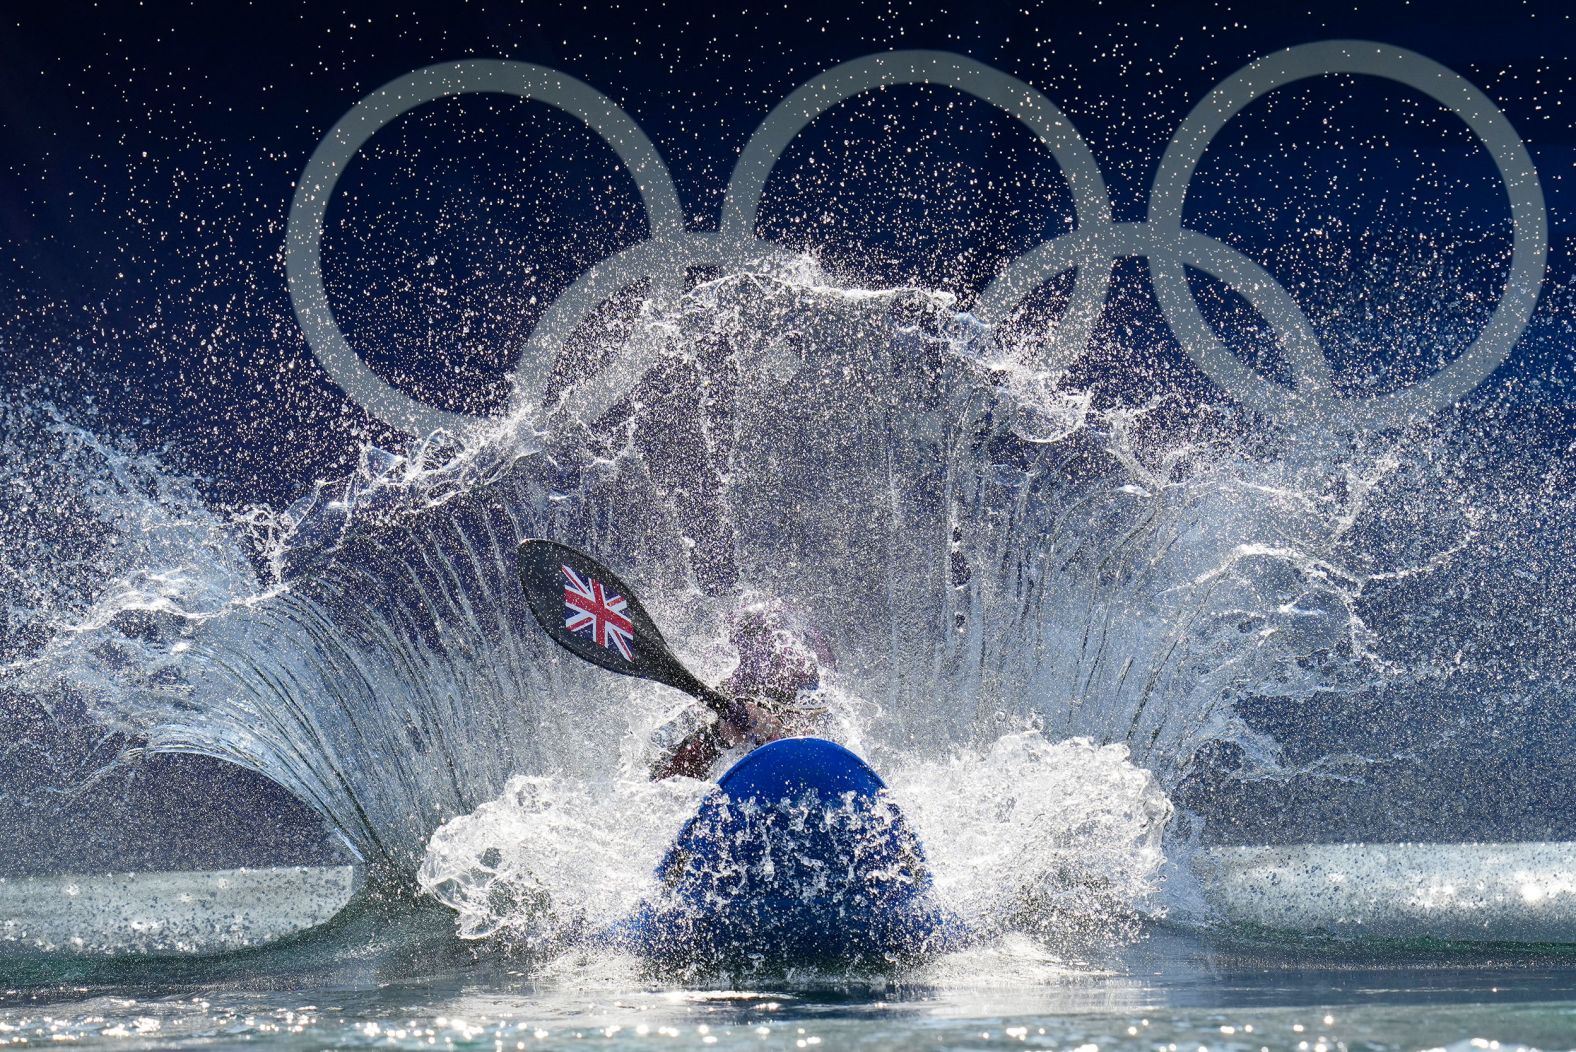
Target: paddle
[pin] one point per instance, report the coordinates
(590, 612)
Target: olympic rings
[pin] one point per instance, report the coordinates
(1215, 258)
(1091, 249)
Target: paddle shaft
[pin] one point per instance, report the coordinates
(678, 677)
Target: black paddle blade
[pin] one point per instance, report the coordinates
(591, 612)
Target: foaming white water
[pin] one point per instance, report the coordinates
(1059, 841)
(110, 565)
(1051, 839)
(555, 856)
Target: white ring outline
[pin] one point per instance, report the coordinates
(1091, 201)
(1091, 249)
(1529, 226)
(308, 208)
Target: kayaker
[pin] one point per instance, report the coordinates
(781, 660)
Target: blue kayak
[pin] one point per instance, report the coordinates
(799, 856)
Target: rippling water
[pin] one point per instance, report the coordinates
(380, 983)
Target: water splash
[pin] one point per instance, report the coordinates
(991, 550)
(555, 857)
(1057, 840)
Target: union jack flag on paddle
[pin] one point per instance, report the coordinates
(588, 610)
(589, 607)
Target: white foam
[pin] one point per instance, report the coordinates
(555, 854)
(1051, 838)
(1055, 839)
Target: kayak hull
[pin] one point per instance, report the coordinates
(799, 856)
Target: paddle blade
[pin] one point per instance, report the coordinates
(590, 611)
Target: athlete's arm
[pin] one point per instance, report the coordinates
(694, 756)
